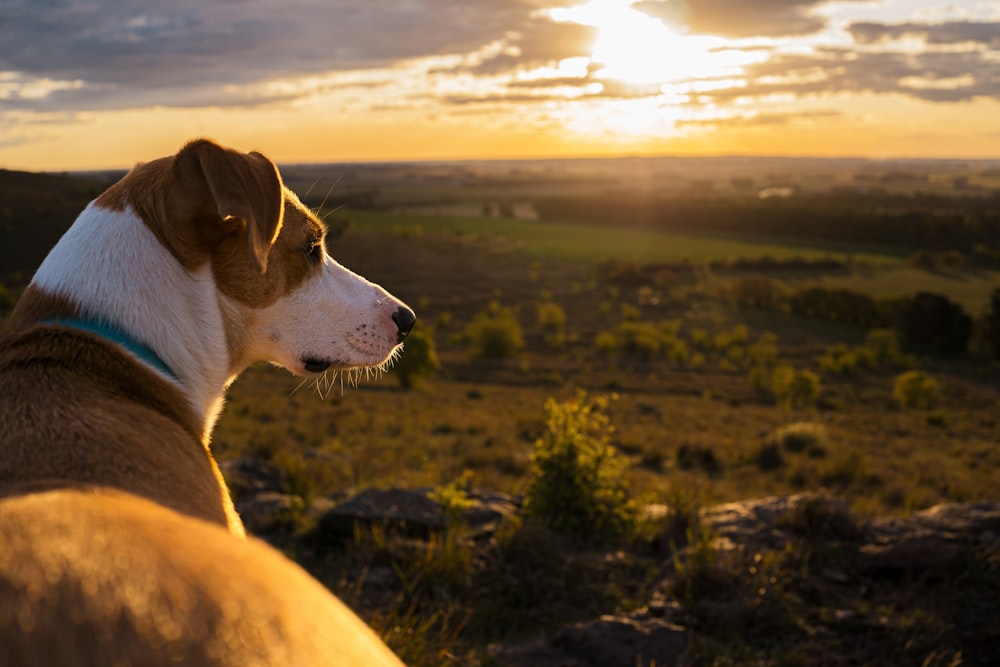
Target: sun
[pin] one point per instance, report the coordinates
(636, 48)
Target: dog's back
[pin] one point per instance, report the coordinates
(97, 578)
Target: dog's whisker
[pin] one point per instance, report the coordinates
(327, 196)
(306, 195)
(299, 386)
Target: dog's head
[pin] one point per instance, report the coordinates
(284, 298)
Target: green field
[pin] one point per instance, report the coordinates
(599, 243)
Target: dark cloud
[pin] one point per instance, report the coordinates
(186, 52)
(935, 77)
(952, 32)
(740, 18)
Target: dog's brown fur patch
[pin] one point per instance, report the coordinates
(117, 424)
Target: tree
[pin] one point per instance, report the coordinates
(933, 323)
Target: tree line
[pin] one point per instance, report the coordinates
(920, 220)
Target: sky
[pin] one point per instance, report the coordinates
(92, 84)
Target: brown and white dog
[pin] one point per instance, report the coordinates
(119, 544)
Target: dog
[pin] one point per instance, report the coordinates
(119, 543)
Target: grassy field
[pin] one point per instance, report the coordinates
(599, 243)
(695, 409)
(484, 414)
(694, 429)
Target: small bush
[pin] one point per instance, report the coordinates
(639, 339)
(453, 498)
(801, 436)
(884, 345)
(551, 316)
(578, 482)
(605, 343)
(495, 333)
(419, 360)
(839, 359)
(793, 388)
(764, 352)
(915, 390)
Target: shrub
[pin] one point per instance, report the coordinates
(675, 350)
(495, 333)
(915, 390)
(552, 320)
(701, 340)
(801, 436)
(764, 352)
(884, 344)
(551, 316)
(419, 360)
(630, 313)
(639, 339)
(793, 388)
(578, 482)
(839, 359)
(605, 342)
(453, 497)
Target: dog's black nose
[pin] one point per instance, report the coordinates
(404, 319)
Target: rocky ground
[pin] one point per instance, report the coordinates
(790, 580)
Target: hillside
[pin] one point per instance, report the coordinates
(35, 209)
(731, 367)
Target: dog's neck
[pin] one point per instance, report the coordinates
(111, 267)
(114, 335)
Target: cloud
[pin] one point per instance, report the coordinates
(953, 32)
(740, 18)
(82, 55)
(191, 52)
(751, 120)
(931, 76)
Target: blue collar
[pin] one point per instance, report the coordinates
(118, 337)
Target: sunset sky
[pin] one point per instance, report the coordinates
(105, 83)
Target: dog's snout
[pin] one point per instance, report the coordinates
(404, 319)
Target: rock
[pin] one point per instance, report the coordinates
(930, 541)
(488, 510)
(409, 512)
(771, 523)
(640, 638)
(268, 511)
(249, 475)
(412, 513)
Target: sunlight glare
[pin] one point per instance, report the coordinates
(636, 48)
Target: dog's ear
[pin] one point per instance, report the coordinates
(243, 190)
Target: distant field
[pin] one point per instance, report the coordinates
(598, 243)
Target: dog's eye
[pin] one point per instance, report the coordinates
(315, 251)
